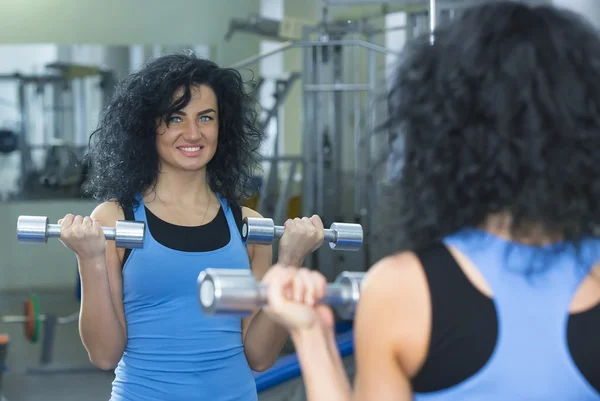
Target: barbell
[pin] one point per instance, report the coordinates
(341, 236)
(32, 318)
(35, 229)
(236, 292)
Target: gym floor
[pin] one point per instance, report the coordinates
(18, 385)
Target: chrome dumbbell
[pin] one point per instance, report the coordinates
(35, 229)
(236, 292)
(341, 236)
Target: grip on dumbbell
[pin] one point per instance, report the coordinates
(236, 292)
(36, 229)
(341, 236)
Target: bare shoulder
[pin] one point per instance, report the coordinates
(108, 213)
(394, 302)
(392, 275)
(247, 212)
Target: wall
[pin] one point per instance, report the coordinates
(117, 22)
(588, 8)
(37, 266)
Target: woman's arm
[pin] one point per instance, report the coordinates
(322, 367)
(263, 338)
(382, 325)
(102, 319)
(388, 318)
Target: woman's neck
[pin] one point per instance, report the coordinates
(184, 188)
(500, 224)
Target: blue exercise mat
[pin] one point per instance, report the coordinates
(288, 367)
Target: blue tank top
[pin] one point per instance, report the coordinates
(174, 352)
(532, 290)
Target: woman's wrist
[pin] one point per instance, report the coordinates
(306, 336)
(289, 259)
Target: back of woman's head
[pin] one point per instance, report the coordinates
(123, 152)
(500, 114)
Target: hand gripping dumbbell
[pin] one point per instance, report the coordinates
(236, 292)
(341, 236)
(35, 229)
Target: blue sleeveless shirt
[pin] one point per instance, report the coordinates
(531, 360)
(174, 352)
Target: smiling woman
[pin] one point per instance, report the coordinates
(163, 100)
(175, 149)
(188, 139)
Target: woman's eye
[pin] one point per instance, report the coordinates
(205, 118)
(174, 119)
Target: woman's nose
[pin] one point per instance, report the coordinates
(192, 132)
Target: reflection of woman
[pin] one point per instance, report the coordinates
(175, 150)
(499, 195)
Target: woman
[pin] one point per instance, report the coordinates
(175, 149)
(498, 296)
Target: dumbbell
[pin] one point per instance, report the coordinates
(35, 229)
(341, 236)
(235, 292)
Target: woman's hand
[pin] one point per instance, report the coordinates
(293, 298)
(300, 237)
(83, 236)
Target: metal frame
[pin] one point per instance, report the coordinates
(269, 201)
(334, 96)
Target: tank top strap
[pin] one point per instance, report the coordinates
(233, 228)
(139, 211)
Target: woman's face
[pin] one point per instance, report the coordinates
(188, 140)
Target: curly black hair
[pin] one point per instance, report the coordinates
(123, 155)
(501, 113)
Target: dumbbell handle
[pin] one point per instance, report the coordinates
(335, 294)
(53, 231)
(330, 235)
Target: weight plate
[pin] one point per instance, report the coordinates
(36, 318)
(32, 324)
(28, 312)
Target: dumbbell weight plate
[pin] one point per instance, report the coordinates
(228, 290)
(32, 229)
(349, 237)
(352, 282)
(131, 234)
(260, 231)
(32, 324)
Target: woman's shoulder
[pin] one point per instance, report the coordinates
(108, 212)
(248, 212)
(395, 288)
(394, 272)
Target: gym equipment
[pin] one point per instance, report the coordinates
(35, 229)
(341, 236)
(8, 141)
(4, 341)
(236, 292)
(31, 319)
(34, 323)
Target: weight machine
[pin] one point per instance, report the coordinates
(342, 150)
(59, 168)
